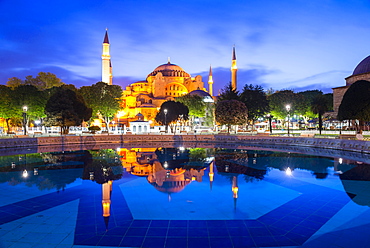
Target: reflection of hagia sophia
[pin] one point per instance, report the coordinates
(166, 82)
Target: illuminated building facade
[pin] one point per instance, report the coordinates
(166, 82)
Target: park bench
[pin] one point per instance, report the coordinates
(308, 135)
(347, 136)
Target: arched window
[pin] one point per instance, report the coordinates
(139, 129)
(134, 129)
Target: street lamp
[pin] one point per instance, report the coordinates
(165, 118)
(269, 116)
(288, 110)
(25, 108)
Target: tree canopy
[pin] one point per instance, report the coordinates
(319, 106)
(104, 99)
(255, 100)
(65, 108)
(194, 103)
(44, 80)
(228, 93)
(171, 112)
(231, 112)
(280, 99)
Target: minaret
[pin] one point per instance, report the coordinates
(210, 81)
(233, 70)
(211, 174)
(235, 190)
(106, 196)
(106, 63)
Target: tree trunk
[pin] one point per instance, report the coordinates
(320, 123)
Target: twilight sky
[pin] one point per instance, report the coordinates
(286, 44)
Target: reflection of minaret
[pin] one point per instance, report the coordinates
(235, 189)
(210, 81)
(106, 194)
(211, 174)
(106, 63)
(233, 70)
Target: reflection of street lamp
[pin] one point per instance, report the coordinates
(165, 118)
(288, 110)
(25, 108)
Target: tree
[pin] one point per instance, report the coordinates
(280, 99)
(44, 80)
(7, 106)
(195, 104)
(171, 112)
(355, 104)
(319, 106)
(228, 93)
(104, 100)
(256, 101)
(14, 82)
(231, 112)
(30, 96)
(65, 108)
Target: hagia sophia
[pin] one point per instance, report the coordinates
(165, 82)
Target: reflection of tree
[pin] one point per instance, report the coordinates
(197, 154)
(231, 161)
(102, 171)
(58, 169)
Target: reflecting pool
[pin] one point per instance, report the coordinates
(176, 196)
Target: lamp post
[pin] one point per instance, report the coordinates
(165, 118)
(25, 108)
(269, 116)
(288, 110)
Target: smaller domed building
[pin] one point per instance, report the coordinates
(361, 72)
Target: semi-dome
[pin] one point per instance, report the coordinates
(205, 95)
(170, 70)
(363, 66)
(200, 93)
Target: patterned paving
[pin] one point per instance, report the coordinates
(290, 224)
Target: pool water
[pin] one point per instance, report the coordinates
(183, 197)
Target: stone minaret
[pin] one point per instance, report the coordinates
(106, 63)
(210, 82)
(233, 71)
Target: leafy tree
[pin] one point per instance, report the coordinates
(256, 101)
(355, 104)
(30, 96)
(7, 106)
(171, 112)
(280, 99)
(319, 106)
(44, 80)
(65, 108)
(194, 103)
(231, 112)
(228, 93)
(104, 100)
(14, 82)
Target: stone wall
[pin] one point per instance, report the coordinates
(100, 141)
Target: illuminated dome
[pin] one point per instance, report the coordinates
(170, 70)
(200, 93)
(362, 67)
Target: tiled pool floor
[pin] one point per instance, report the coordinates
(319, 216)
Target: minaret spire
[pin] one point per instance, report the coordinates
(233, 70)
(106, 62)
(210, 81)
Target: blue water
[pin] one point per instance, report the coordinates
(176, 197)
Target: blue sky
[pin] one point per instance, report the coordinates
(298, 45)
